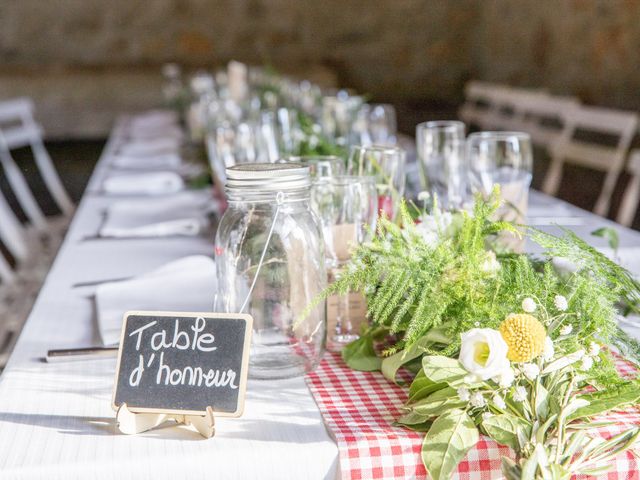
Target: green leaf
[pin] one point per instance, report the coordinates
(392, 364)
(609, 234)
(438, 402)
(447, 442)
(504, 429)
(425, 391)
(542, 401)
(360, 355)
(444, 369)
(613, 397)
(510, 469)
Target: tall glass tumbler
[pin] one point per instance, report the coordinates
(441, 154)
(347, 209)
(505, 159)
(387, 165)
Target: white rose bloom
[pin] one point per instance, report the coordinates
(487, 415)
(594, 349)
(520, 395)
(531, 370)
(587, 363)
(484, 353)
(464, 394)
(549, 351)
(498, 401)
(529, 305)
(566, 330)
(560, 302)
(477, 400)
(506, 378)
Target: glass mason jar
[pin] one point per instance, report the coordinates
(270, 264)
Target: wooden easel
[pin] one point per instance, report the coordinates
(131, 423)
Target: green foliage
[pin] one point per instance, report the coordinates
(416, 287)
(448, 440)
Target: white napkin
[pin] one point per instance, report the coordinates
(152, 146)
(152, 133)
(152, 183)
(181, 214)
(154, 119)
(166, 160)
(188, 285)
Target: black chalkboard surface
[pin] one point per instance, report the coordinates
(183, 362)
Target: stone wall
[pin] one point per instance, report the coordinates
(83, 61)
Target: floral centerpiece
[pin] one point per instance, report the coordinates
(503, 344)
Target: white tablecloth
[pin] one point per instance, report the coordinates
(56, 420)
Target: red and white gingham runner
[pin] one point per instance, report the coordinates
(359, 409)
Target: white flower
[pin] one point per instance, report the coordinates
(424, 196)
(484, 352)
(566, 329)
(506, 378)
(531, 370)
(432, 227)
(560, 302)
(491, 263)
(477, 400)
(594, 349)
(464, 394)
(529, 305)
(486, 416)
(498, 401)
(587, 363)
(520, 395)
(549, 351)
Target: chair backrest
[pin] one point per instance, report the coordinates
(541, 116)
(18, 128)
(581, 143)
(631, 195)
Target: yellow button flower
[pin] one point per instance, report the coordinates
(525, 336)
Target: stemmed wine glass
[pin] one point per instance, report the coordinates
(347, 210)
(441, 154)
(387, 165)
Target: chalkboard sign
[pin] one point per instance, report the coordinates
(181, 363)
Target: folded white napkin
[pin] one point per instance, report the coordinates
(166, 160)
(144, 132)
(188, 285)
(151, 146)
(154, 119)
(181, 214)
(151, 183)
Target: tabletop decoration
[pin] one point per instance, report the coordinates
(181, 366)
(500, 343)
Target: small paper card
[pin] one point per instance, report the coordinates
(183, 362)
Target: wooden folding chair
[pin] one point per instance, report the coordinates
(631, 195)
(18, 128)
(577, 145)
(541, 116)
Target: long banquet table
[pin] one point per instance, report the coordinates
(56, 419)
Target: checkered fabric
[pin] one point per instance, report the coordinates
(359, 409)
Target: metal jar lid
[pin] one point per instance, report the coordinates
(268, 177)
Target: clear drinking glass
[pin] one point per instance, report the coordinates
(339, 113)
(441, 155)
(505, 159)
(379, 124)
(347, 209)
(320, 165)
(387, 165)
(270, 263)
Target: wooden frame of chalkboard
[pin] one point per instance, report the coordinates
(242, 385)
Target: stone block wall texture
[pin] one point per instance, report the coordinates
(84, 61)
